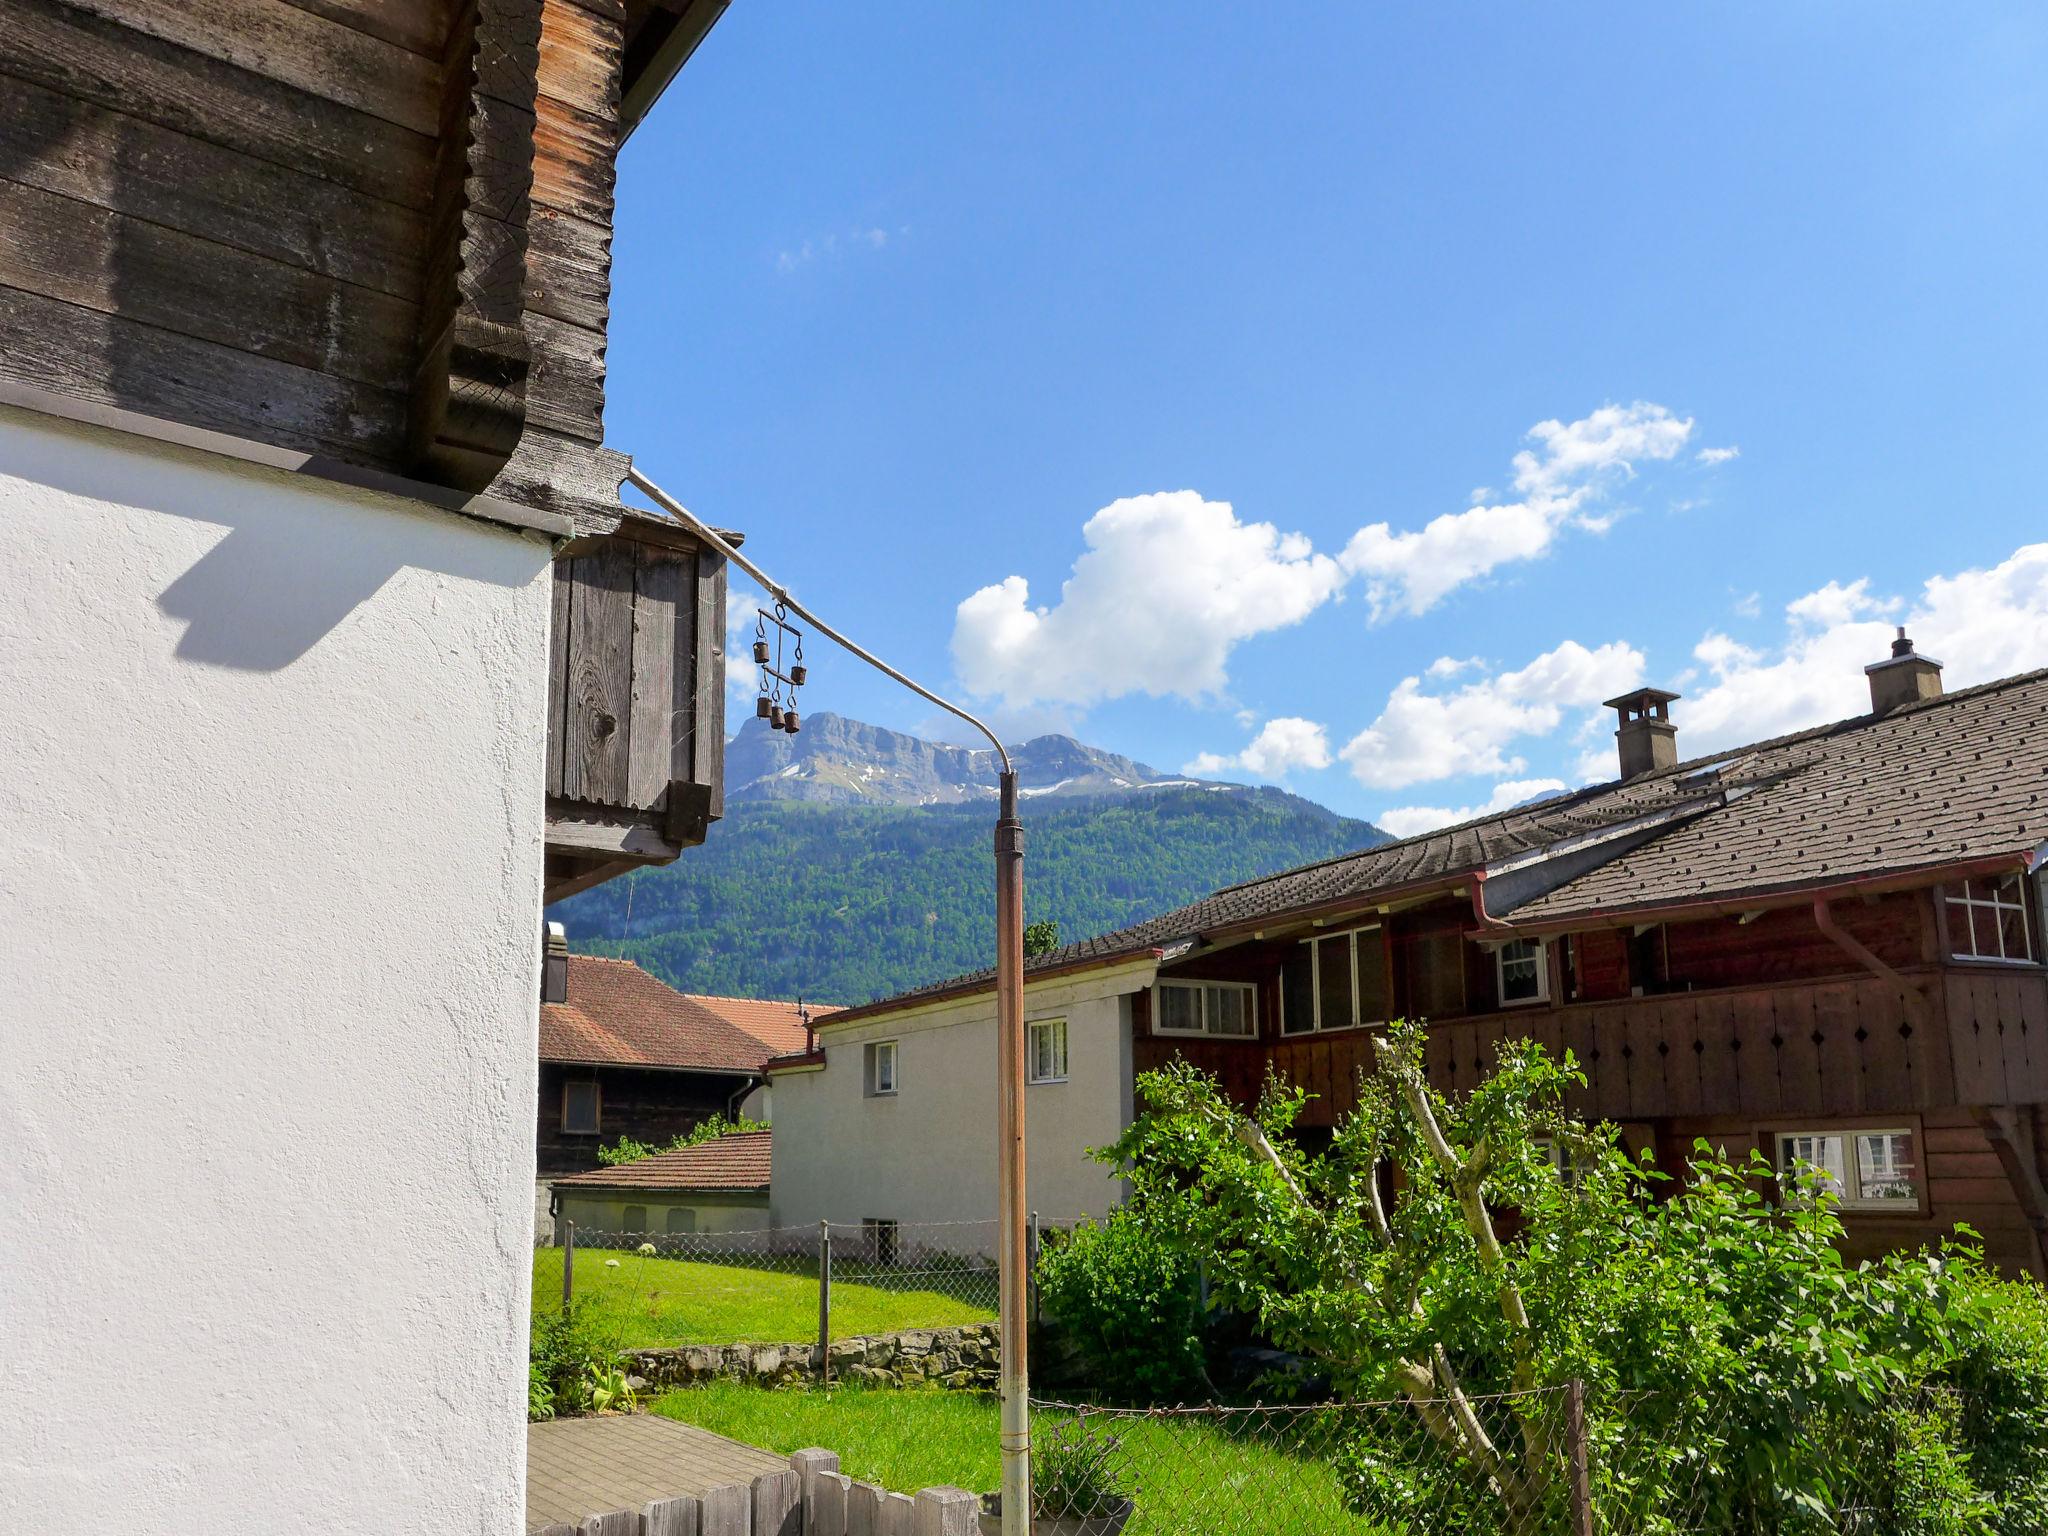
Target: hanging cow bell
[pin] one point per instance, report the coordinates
(789, 721)
(762, 707)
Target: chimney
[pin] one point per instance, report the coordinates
(554, 964)
(1647, 738)
(1904, 677)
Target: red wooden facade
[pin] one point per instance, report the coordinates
(1731, 1029)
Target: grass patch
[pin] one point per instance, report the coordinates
(648, 1303)
(1187, 1475)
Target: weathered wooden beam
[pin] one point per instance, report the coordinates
(469, 400)
(662, 583)
(701, 749)
(597, 720)
(621, 837)
(117, 67)
(420, 25)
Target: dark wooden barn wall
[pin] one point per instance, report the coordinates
(219, 212)
(648, 1106)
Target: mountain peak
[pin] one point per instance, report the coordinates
(838, 761)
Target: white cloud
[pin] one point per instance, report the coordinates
(829, 246)
(1981, 624)
(1168, 586)
(1718, 455)
(1284, 743)
(1409, 820)
(1423, 736)
(1451, 666)
(1558, 480)
(1750, 605)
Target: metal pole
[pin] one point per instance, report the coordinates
(825, 1302)
(1016, 1418)
(1014, 1239)
(1575, 1440)
(568, 1262)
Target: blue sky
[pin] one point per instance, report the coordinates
(1353, 396)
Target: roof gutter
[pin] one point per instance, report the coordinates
(1684, 911)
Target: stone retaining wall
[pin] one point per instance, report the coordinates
(962, 1357)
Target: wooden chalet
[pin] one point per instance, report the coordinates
(1827, 946)
(369, 241)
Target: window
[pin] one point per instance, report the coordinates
(635, 1219)
(881, 1240)
(1225, 1008)
(681, 1219)
(1346, 984)
(1047, 1051)
(1571, 1173)
(1865, 1170)
(580, 1106)
(880, 1062)
(1987, 920)
(1523, 966)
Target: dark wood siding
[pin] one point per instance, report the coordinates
(648, 1106)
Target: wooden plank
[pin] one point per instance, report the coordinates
(420, 25)
(113, 66)
(558, 669)
(111, 361)
(1756, 1065)
(573, 154)
(564, 474)
(2031, 993)
(1719, 1078)
(1980, 1065)
(658, 590)
(105, 261)
(706, 739)
(581, 54)
(569, 268)
(1840, 1053)
(1643, 1027)
(1683, 1035)
(621, 838)
(1794, 1026)
(596, 733)
(126, 165)
(1888, 1078)
(1609, 1069)
(565, 387)
(299, 48)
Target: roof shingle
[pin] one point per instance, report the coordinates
(736, 1162)
(618, 1015)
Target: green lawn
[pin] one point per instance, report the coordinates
(648, 1302)
(1186, 1475)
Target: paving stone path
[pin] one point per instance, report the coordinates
(579, 1467)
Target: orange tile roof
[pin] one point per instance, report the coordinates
(618, 1015)
(738, 1162)
(777, 1025)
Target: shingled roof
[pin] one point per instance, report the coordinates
(777, 1025)
(738, 1163)
(618, 1015)
(1931, 784)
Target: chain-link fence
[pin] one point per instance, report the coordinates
(791, 1285)
(1550, 1463)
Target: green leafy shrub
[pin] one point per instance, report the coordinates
(627, 1150)
(1074, 1473)
(567, 1356)
(2000, 1373)
(1131, 1302)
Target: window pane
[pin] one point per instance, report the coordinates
(1049, 1050)
(1823, 1152)
(1436, 979)
(1375, 1005)
(636, 1218)
(1230, 1011)
(1884, 1167)
(1521, 971)
(1297, 993)
(579, 1106)
(1984, 925)
(1180, 1007)
(681, 1220)
(2012, 933)
(1333, 984)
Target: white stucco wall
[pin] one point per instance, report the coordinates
(929, 1152)
(270, 857)
(604, 1211)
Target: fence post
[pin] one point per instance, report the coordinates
(568, 1262)
(1032, 1273)
(1575, 1441)
(825, 1302)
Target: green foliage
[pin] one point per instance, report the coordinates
(1041, 938)
(1073, 1472)
(1131, 1300)
(570, 1357)
(627, 1150)
(1724, 1342)
(844, 904)
(608, 1390)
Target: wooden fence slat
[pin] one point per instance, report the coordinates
(658, 591)
(597, 714)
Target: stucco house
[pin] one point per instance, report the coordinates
(329, 654)
(716, 1186)
(1827, 947)
(626, 1055)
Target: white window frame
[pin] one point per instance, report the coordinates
(1500, 974)
(873, 1053)
(1031, 1035)
(596, 1106)
(1849, 1194)
(1202, 988)
(1315, 982)
(1960, 899)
